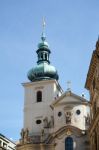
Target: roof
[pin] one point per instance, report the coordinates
(81, 100)
(4, 137)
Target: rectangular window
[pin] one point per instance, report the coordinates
(4, 145)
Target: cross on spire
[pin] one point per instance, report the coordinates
(43, 23)
(43, 29)
(68, 85)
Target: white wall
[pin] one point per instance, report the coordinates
(70, 104)
(34, 110)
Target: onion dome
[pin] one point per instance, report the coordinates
(43, 70)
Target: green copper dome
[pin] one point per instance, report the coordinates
(43, 70)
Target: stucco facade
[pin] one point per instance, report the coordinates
(92, 84)
(69, 116)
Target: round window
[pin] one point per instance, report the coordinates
(78, 112)
(59, 113)
(38, 121)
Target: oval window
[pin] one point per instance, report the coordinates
(59, 113)
(78, 112)
(38, 121)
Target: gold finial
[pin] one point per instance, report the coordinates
(69, 85)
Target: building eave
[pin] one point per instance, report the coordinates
(6, 139)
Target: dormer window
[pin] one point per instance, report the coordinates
(39, 96)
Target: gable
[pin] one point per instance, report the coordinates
(69, 98)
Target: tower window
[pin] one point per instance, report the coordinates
(45, 56)
(41, 55)
(39, 96)
(69, 143)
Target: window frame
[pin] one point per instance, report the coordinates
(39, 96)
(69, 143)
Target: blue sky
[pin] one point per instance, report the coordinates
(72, 29)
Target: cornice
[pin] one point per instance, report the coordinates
(31, 146)
(38, 83)
(91, 71)
(66, 130)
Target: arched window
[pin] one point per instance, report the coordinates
(69, 143)
(41, 56)
(45, 56)
(39, 96)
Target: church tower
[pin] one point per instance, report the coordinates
(42, 89)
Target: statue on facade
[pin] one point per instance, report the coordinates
(48, 123)
(24, 135)
(52, 121)
(45, 120)
(87, 120)
(42, 135)
(68, 117)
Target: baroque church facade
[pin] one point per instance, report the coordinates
(53, 119)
